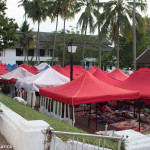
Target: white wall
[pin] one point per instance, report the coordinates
(22, 134)
(9, 57)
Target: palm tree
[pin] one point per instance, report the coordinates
(134, 33)
(37, 12)
(118, 14)
(25, 4)
(65, 14)
(86, 20)
(26, 39)
(68, 9)
(98, 24)
(54, 10)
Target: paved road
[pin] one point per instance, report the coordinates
(3, 142)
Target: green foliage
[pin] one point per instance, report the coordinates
(91, 50)
(8, 28)
(26, 39)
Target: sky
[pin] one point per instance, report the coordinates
(17, 13)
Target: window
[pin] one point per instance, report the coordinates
(42, 52)
(31, 52)
(19, 52)
(19, 62)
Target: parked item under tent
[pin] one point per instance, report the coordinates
(118, 75)
(87, 89)
(138, 81)
(13, 67)
(41, 66)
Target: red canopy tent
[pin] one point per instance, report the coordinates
(138, 81)
(92, 69)
(104, 77)
(87, 89)
(77, 70)
(144, 69)
(61, 70)
(34, 68)
(3, 71)
(57, 67)
(118, 75)
(28, 68)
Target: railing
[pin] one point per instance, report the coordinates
(79, 141)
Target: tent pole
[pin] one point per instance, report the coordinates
(134, 108)
(139, 114)
(31, 99)
(39, 100)
(96, 116)
(72, 115)
(89, 121)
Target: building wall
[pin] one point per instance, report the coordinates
(8, 56)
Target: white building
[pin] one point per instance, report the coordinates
(15, 55)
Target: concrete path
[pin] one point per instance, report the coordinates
(4, 144)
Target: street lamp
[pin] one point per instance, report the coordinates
(71, 49)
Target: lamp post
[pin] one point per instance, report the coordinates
(71, 49)
(134, 36)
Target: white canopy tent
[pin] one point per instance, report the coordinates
(19, 73)
(45, 79)
(41, 66)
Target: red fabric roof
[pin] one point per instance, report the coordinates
(118, 75)
(2, 68)
(92, 70)
(77, 70)
(104, 77)
(138, 81)
(3, 65)
(95, 67)
(61, 70)
(3, 71)
(144, 69)
(87, 89)
(28, 68)
(34, 68)
(57, 67)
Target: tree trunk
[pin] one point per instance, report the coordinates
(83, 51)
(25, 57)
(55, 41)
(99, 42)
(117, 46)
(63, 63)
(37, 49)
(134, 37)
